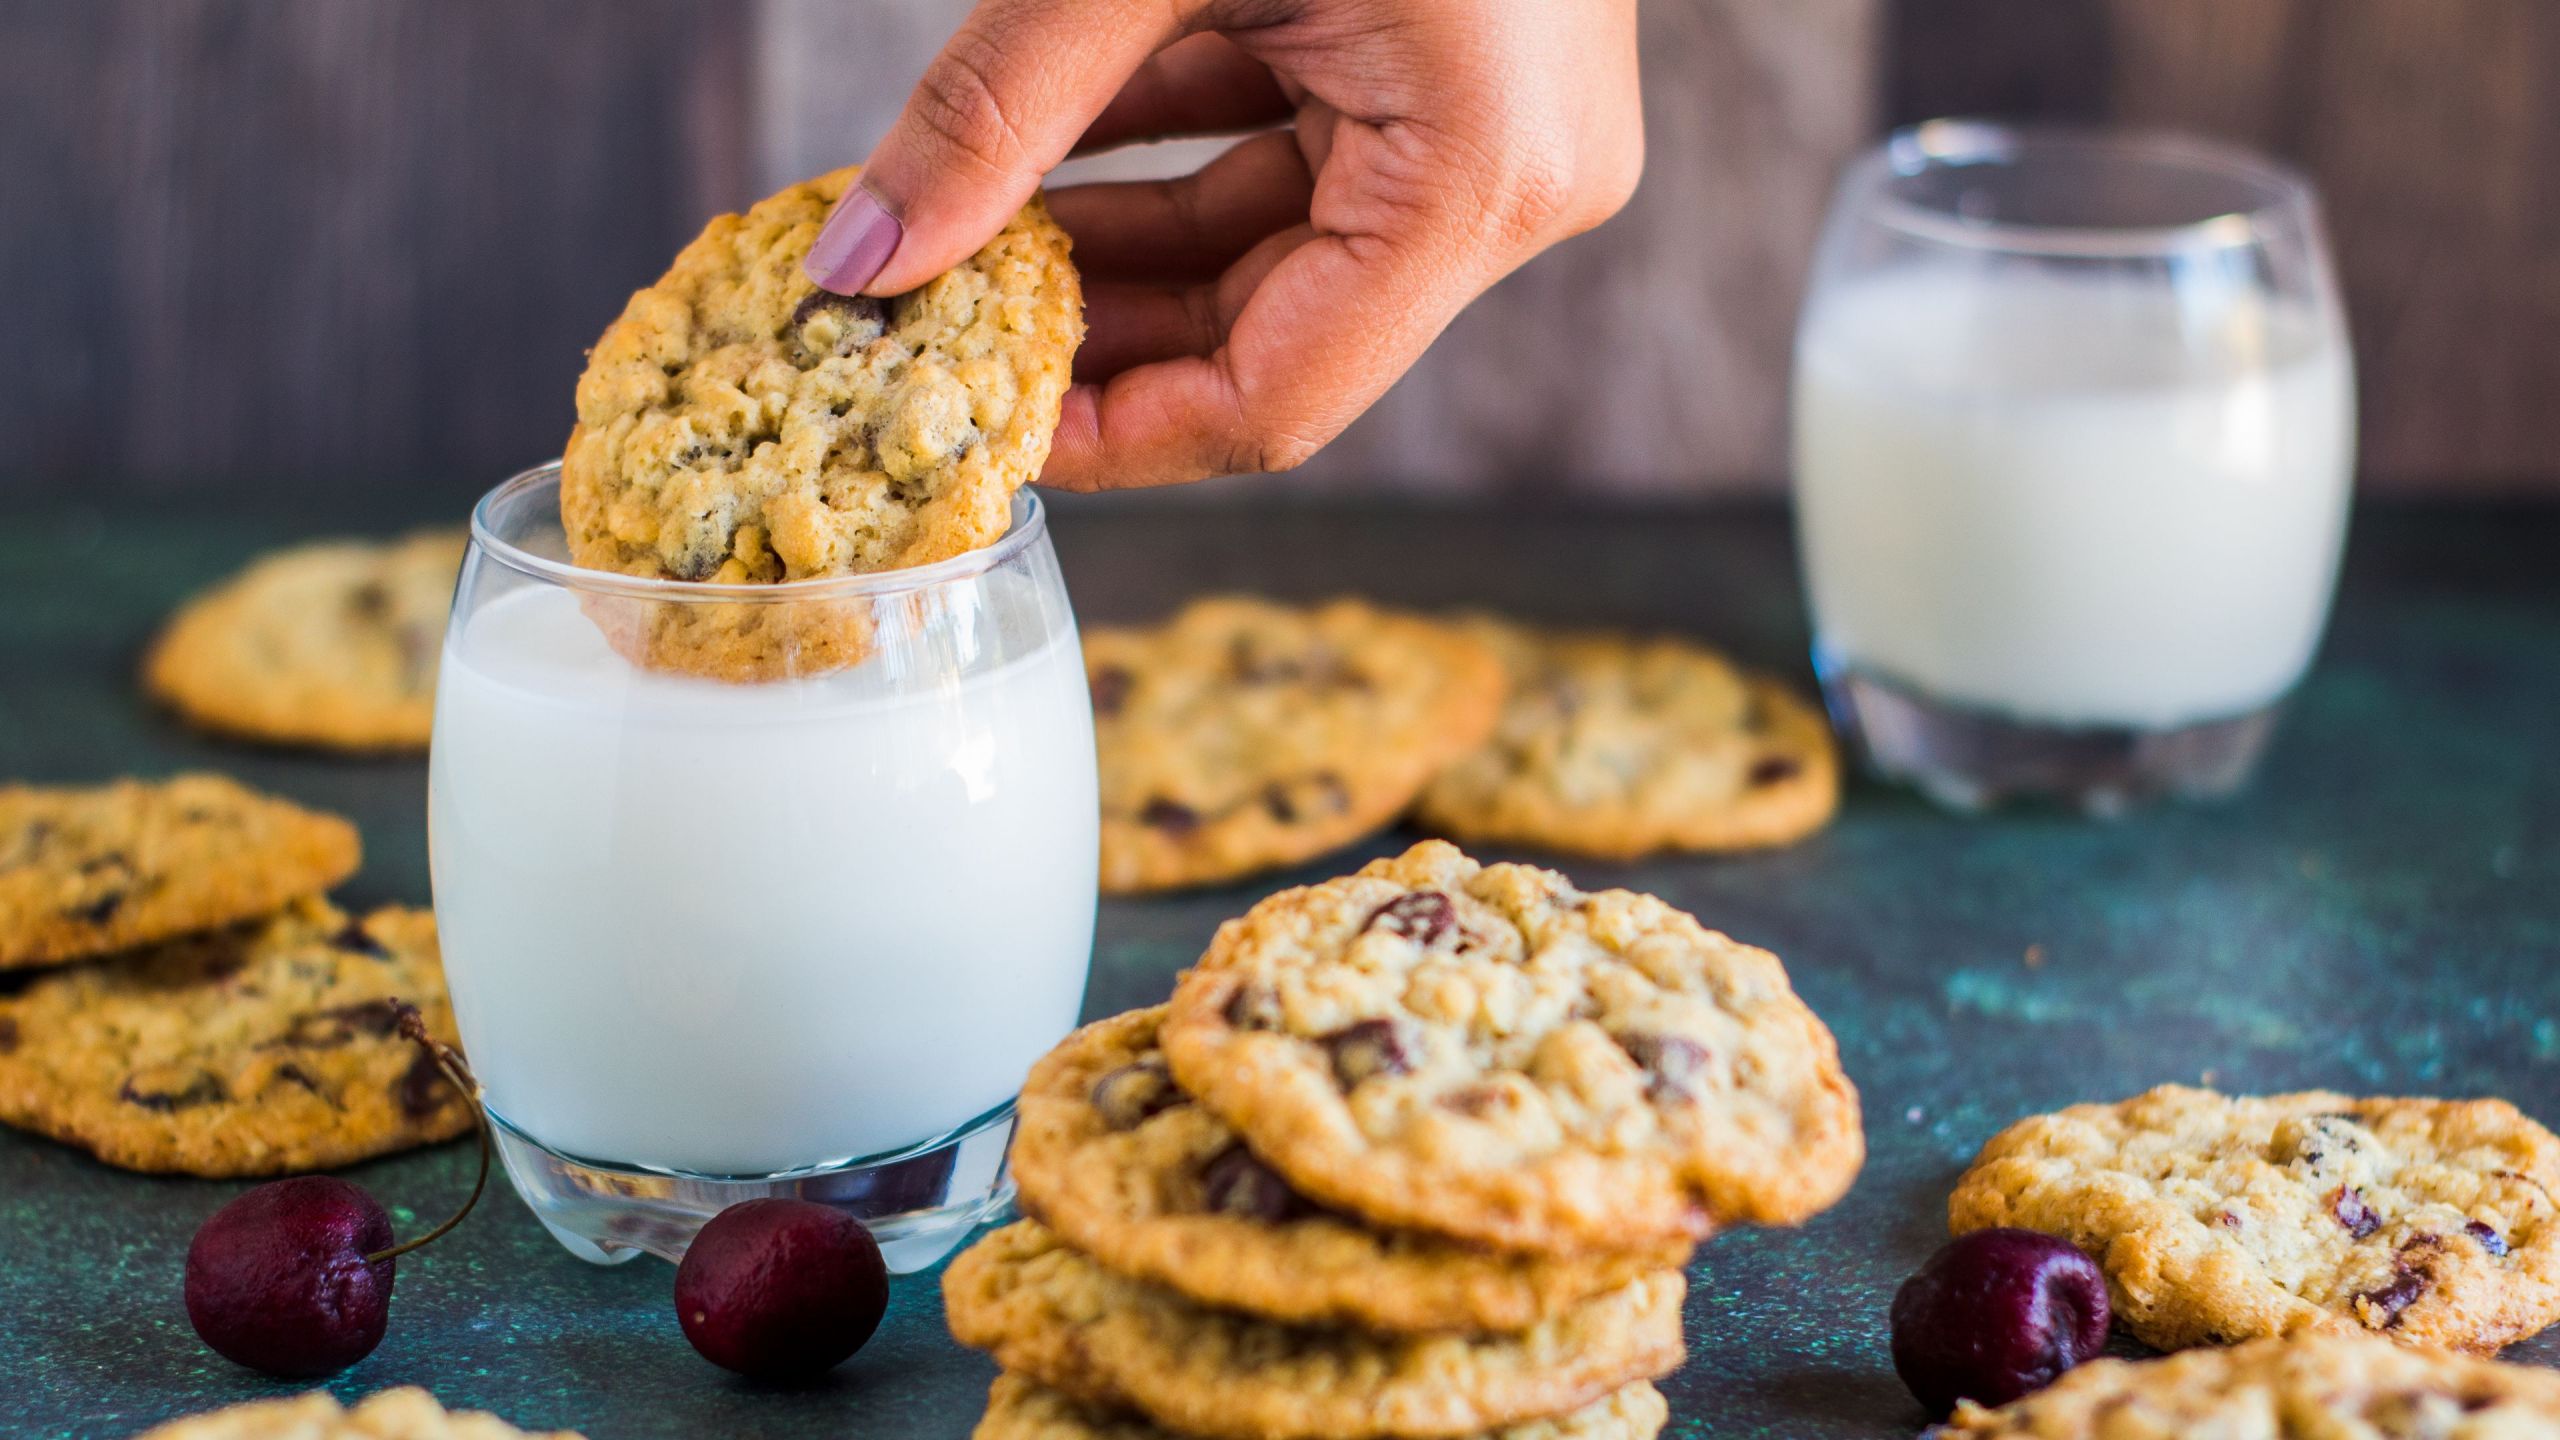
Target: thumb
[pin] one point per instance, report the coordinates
(1002, 104)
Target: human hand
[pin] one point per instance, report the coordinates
(1239, 317)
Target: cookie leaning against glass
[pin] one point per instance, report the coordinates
(1487, 1052)
(2223, 1218)
(1111, 1155)
(1243, 735)
(739, 426)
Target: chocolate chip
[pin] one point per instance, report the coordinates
(296, 1075)
(864, 316)
(2308, 1142)
(1252, 668)
(697, 562)
(1111, 686)
(329, 1029)
(1235, 1183)
(353, 939)
(1126, 1097)
(2349, 1207)
(1319, 794)
(369, 601)
(204, 1089)
(1421, 917)
(30, 843)
(1366, 1049)
(100, 910)
(1476, 1101)
(224, 964)
(1770, 769)
(421, 1092)
(379, 1018)
(1255, 1007)
(8, 1035)
(2407, 1284)
(2488, 1236)
(1673, 1063)
(1170, 816)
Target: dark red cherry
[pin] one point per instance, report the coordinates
(781, 1289)
(294, 1278)
(279, 1279)
(1995, 1315)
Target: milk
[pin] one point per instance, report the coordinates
(2069, 501)
(742, 929)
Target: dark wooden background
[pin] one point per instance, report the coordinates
(304, 248)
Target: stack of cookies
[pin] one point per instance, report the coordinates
(201, 1009)
(1242, 736)
(1414, 1152)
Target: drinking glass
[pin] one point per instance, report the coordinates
(759, 890)
(2074, 427)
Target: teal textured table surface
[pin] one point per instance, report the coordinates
(2380, 912)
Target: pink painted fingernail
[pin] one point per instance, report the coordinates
(854, 245)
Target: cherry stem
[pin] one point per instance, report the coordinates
(414, 1026)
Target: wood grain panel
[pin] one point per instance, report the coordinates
(2432, 128)
(313, 243)
(2433, 131)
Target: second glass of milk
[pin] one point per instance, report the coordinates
(2074, 425)
(797, 927)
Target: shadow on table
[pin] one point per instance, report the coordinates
(1840, 1399)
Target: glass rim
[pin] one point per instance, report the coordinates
(1944, 143)
(1028, 520)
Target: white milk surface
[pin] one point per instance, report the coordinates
(742, 929)
(2068, 501)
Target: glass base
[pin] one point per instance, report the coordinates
(1970, 759)
(919, 1203)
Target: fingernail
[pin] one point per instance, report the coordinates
(854, 245)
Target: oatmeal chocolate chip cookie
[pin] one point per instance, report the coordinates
(1055, 1315)
(273, 1047)
(740, 425)
(2332, 1387)
(332, 645)
(404, 1414)
(1487, 1052)
(1243, 735)
(1117, 1160)
(2219, 1219)
(90, 871)
(1619, 747)
(1020, 1409)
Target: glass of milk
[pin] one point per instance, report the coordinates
(801, 933)
(2074, 426)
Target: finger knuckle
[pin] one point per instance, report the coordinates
(960, 104)
(1271, 448)
(1541, 192)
